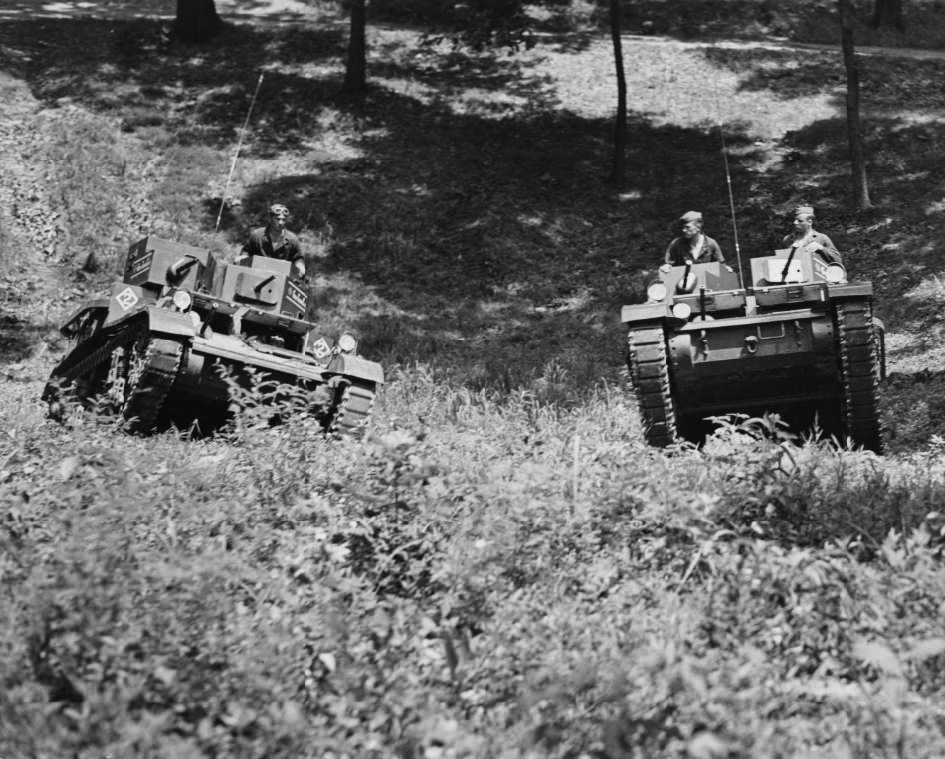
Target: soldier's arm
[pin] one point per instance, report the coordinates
(716, 251)
(828, 249)
(668, 256)
(296, 256)
(251, 247)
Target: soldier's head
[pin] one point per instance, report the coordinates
(278, 215)
(690, 223)
(803, 219)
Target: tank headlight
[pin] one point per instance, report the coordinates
(682, 310)
(656, 292)
(182, 300)
(347, 343)
(835, 274)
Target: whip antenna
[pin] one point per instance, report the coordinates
(236, 153)
(731, 204)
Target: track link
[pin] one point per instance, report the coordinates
(352, 411)
(649, 374)
(151, 374)
(859, 358)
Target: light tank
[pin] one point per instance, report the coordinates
(182, 332)
(800, 341)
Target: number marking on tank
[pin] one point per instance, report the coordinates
(126, 298)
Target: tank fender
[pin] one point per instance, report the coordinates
(850, 290)
(98, 307)
(643, 312)
(170, 322)
(355, 366)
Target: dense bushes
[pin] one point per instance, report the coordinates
(502, 578)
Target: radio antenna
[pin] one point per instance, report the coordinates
(731, 204)
(236, 153)
(728, 179)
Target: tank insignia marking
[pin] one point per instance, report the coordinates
(321, 348)
(296, 295)
(126, 299)
(140, 264)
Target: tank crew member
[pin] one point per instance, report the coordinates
(692, 245)
(806, 238)
(275, 241)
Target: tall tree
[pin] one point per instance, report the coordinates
(619, 163)
(861, 194)
(887, 13)
(196, 21)
(356, 65)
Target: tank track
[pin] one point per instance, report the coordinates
(859, 374)
(149, 381)
(352, 412)
(649, 374)
(143, 383)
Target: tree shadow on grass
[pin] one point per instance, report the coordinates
(888, 85)
(451, 75)
(200, 92)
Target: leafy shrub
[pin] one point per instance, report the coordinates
(485, 574)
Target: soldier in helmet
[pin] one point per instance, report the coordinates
(692, 245)
(275, 241)
(806, 238)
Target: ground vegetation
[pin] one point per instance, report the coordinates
(503, 568)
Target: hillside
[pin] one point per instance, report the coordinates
(503, 568)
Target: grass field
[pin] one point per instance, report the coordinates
(503, 569)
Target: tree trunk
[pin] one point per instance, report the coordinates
(861, 195)
(197, 20)
(619, 163)
(356, 66)
(887, 13)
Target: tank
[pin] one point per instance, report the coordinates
(801, 341)
(183, 335)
